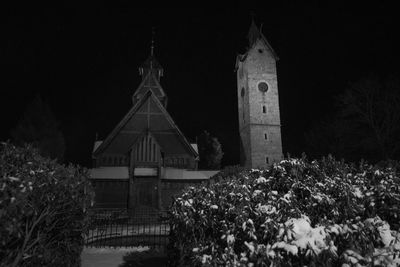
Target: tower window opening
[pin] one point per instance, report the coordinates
(265, 136)
(264, 109)
(267, 160)
(263, 87)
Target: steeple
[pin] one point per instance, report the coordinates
(152, 42)
(254, 33)
(151, 64)
(151, 71)
(258, 102)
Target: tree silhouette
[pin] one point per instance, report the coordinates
(210, 151)
(366, 125)
(39, 127)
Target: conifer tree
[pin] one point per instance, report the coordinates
(39, 127)
(210, 151)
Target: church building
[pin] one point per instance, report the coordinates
(146, 159)
(258, 102)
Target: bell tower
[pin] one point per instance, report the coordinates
(258, 102)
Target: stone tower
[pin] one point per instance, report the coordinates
(258, 102)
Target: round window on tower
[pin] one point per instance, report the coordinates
(263, 87)
(242, 92)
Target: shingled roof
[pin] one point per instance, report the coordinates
(148, 114)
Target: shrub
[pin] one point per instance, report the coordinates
(42, 209)
(295, 213)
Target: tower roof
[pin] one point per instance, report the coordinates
(255, 34)
(151, 63)
(151, 83)
(151, 71)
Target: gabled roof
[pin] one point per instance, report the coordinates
(96, 145)
(150, 82)
(162, 141)
(151, 63)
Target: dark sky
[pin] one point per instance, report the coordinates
(84, 62)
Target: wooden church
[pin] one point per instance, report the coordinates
(146, 159)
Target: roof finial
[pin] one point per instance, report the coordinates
(152, 42)
(252, 15)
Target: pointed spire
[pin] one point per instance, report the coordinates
(152, 42)
(151, 64)
(254, 33)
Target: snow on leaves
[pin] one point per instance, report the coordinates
(319, 213)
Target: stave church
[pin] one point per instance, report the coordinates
(146, 160)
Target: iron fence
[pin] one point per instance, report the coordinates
(121, 228)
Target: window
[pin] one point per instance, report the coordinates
(267, 160)
(242, 92)
(264, 109)
(265, 136)
(263, 87)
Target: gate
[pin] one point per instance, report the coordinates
(118, 228)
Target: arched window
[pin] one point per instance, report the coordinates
(264, 109)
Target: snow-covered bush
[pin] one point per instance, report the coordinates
(295, 213)
(43, 209)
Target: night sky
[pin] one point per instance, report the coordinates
(84, 63)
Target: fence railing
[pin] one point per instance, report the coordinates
(120, 228)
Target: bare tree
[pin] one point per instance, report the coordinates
(366, 125)
(374, 104)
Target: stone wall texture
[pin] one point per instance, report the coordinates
(259, 114)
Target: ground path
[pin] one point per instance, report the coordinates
(122, 257)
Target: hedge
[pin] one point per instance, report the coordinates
(295, 213)
(43, 209)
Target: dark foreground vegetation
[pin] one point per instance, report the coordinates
(295, 213)
(43, 209)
